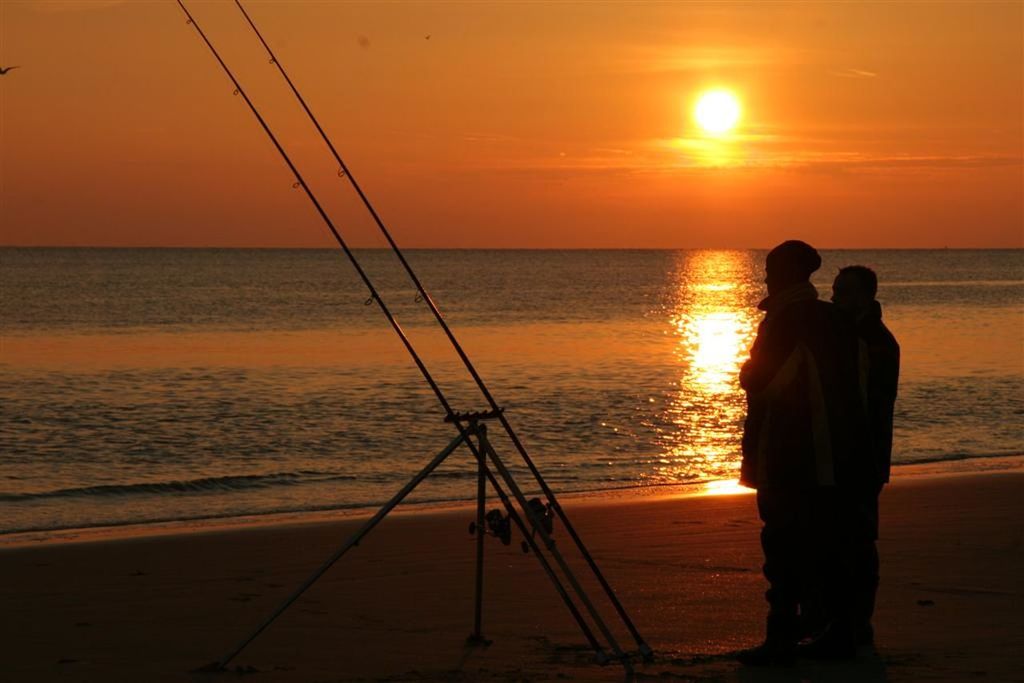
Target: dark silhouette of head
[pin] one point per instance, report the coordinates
(791, 263)
(854, 289)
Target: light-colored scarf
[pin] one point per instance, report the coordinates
(774, 303)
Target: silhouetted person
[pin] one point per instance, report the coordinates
(804, 425)
(853, 292)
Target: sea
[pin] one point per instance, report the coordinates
(155, 385)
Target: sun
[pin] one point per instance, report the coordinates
(717, 112)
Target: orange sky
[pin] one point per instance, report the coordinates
(516, 124)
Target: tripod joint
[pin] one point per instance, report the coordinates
(474, 417)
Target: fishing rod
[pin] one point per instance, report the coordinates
(451, 416)
(344, 172)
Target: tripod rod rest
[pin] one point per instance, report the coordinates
(473, 417)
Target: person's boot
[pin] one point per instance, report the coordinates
(864, 609)
(779, 646)
(836, 643)
(811, 622)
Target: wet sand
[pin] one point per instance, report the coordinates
(399, 606)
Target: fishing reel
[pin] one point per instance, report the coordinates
(497, 525)
(543, 514)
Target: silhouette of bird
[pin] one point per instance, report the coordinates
(427, 37)
(3, 70)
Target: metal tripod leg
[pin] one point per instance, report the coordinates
(550, 545)
(352, 541)
(477, 636)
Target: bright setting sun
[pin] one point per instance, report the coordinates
(717, 112)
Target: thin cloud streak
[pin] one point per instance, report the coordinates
(855, 73)
(694, 154)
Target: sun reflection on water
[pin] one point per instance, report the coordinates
(713, 342)
(713, 321)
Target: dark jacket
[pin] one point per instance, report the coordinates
(879, 378)
(805, 423)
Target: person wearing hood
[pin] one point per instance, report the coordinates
(803, 434)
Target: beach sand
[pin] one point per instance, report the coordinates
(399, 606)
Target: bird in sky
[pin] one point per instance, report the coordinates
(4, 71)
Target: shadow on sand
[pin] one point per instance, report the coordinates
(867, 668)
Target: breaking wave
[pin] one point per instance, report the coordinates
(201, 485)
